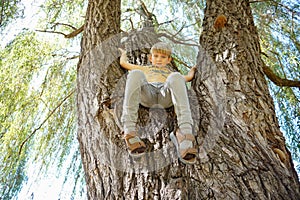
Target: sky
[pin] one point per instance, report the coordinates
(48, 187)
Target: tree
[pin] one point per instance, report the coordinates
(37, 113)
(37, 129)
(280, 49)
(9, 10)
(242, 153)
(17, 95)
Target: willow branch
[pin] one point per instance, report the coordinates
(276, 4)
(170, 37)
(70, 35)
(75, 33)
(258, 1)
(181, 62)
(167, 22)
(144, 11)
(286, 7)
(183, 26)
(2, 13)
(63, 24)
(45, 120)
(279, 61)
(278, 80)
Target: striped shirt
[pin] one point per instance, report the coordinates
(156, 74)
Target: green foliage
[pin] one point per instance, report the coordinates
(37, 113)
(10, 10)
(63, 15)
(187, 14)
(184, 31)
(19, 61)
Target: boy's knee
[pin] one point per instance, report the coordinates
(136, 74)
(175, 77)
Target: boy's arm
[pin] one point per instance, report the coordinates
(124, 63)
(191, 74)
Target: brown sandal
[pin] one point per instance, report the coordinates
(136, 147)
(187, 156)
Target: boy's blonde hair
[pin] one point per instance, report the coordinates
(162, 47)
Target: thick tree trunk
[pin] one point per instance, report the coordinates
(244, 146)
(242, 153)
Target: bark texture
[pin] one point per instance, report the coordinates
(249, 155)
(242, 153)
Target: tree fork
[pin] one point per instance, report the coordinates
(237, 131)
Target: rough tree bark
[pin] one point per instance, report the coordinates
(242, 153)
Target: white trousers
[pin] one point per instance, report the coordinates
(172, 92)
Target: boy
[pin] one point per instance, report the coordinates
(157, 84)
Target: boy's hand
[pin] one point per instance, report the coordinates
(124, 62)
(123, 58)
(191, 74)
(122, 51)
(193, 69)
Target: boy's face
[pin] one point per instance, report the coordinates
(159, 59)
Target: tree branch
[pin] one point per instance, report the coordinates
(45, 120)
(177, 41)
(257, 1)
(63, 24)
(167, 22)
(70, 35)
(276, 4)
(279, 61)
(286, 7)
(144, 11)
(278, 80)
(75, 33)
(57, 32)
(181, 62)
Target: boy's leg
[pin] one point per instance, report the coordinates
(132, 98)
(183, 138)
(176, 84)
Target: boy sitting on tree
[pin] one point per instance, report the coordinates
(158, 85)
